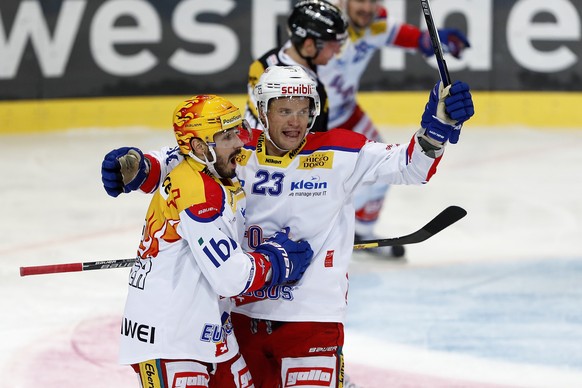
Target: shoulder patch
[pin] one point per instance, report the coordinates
(213, 204)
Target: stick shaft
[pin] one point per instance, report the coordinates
(436, 43)
(75, 267)
(444, 219)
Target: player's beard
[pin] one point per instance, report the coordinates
(226, 166)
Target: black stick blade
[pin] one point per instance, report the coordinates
(443, 220)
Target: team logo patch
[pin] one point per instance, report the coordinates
(204, 212)
(190, 380)
(308, 377)
(316, 160)
(328, 262)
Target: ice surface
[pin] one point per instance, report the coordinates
(494, 300)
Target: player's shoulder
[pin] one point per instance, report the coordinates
(335, 139)
(258, 66)
(270, 58)
(195, 191)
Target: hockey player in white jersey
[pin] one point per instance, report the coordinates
(317, 30)
(176, 330)
(370, 29)
(292, 335)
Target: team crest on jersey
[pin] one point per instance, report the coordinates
(139, 272)
(218, 251)
(316, 160)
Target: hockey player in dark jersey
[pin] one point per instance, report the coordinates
(318, 30)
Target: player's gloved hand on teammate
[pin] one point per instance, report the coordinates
(289, 259)
(446, 111)
(123, 170)
(453, 42)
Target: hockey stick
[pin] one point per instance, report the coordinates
(436, 43)
(75, 267)
(444, 219)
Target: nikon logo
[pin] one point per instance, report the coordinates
(299, 89)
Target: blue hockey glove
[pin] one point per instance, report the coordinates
(452, 40)
(123, 170)
(446, 111)
(289, 259)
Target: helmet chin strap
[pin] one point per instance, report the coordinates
(209, 164)
(309, 60)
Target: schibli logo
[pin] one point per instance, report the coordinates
(312, 377)
(191, 380)
(141, 332)
(297, 89)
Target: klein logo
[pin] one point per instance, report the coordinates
(221, 248)
(297, 377)
(297, 89)
(314, 184)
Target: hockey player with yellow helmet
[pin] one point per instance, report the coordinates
(176, 328)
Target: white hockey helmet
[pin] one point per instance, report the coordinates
(285, 82)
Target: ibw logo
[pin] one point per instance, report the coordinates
(221, 249)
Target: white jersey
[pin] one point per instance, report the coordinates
(341, 76)
(190, 255)
(310, 189)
